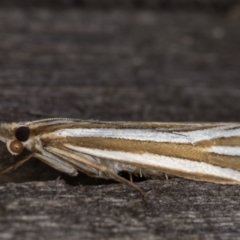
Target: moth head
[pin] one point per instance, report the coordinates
(22, 135)
(15, 136)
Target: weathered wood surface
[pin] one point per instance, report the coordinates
(177, 209)
(117, 65)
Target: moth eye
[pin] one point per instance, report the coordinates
(16, 146)
(22, 133)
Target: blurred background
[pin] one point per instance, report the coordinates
(130, 60)
(120, 60)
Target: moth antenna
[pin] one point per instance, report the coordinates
(118, 178)
(61, 152)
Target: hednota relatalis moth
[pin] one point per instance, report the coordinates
(199, 151)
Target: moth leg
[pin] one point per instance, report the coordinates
(16, 165)
(57, 163)
(131, 177)
(66, 154)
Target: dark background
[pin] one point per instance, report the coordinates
(117, 60)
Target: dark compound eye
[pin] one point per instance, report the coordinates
(22, 133)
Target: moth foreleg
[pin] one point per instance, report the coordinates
(56, 163)
(17, 164)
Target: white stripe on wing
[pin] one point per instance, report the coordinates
(154, 135)
(164, 162)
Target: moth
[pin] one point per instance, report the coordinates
(199, 151)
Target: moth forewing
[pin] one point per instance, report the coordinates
(174, 148)
(199, 151)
